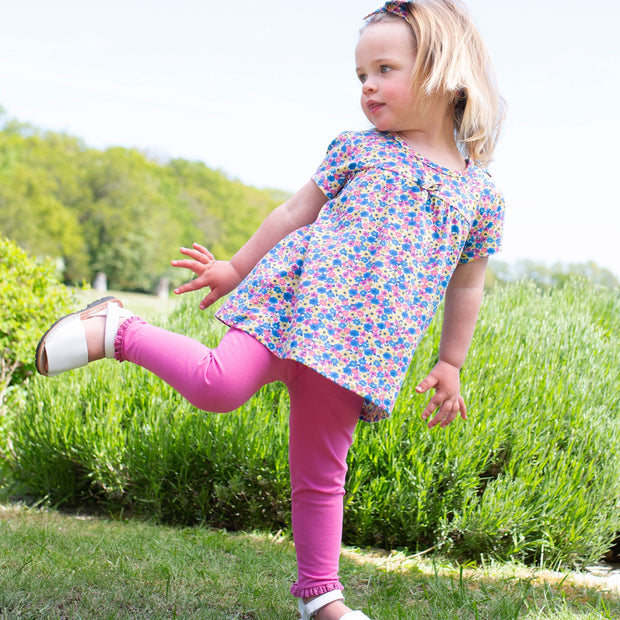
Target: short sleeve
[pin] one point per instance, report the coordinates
(338, 166)
(485, 236)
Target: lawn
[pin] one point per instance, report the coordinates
(55, 565)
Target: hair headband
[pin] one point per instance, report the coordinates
(396, 7)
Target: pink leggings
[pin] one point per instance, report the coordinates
(323, 417)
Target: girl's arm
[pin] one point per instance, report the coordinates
(462, 305)
(223, 276)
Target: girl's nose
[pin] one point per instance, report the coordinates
(368, 87)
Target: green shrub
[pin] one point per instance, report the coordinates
(31, 298)
(534, 473)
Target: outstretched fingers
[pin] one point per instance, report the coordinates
(199, 253)
(192, 285)
(200, 258)
(200, 261)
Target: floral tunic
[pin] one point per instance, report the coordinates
(351, 294)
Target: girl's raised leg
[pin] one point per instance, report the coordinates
(216, 380)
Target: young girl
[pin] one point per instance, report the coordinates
(337, 286)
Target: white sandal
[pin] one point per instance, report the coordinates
(63, 346)
(308, 610)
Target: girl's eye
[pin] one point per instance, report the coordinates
(385, 68)
(362, 78)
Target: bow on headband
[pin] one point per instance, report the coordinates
(396, 7)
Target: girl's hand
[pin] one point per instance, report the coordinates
(219, 276)
(447, 400)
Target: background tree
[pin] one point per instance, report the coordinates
(40, 193)
(557, 274)
(116, 211)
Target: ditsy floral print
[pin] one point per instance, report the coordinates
(351, 294)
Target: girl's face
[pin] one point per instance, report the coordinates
(384, 57)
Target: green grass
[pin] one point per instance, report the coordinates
(55, 565)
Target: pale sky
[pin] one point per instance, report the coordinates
(258, 90)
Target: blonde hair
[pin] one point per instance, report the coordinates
(451, 59)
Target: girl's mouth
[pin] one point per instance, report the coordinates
(374, 106)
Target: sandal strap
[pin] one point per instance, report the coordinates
(114, 313)
(320, 601)
(111, 327)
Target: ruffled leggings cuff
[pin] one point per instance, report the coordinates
(120, 334)
(316, 590)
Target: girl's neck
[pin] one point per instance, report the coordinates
(440, 151)
(433, 137)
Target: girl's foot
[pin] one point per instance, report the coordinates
(328, 606)
(332, 611)
(81, 337)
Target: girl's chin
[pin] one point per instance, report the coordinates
(380, 126)
(384, 128)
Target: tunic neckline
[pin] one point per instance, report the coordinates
(428, 162)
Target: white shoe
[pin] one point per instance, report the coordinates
(63, 346)
(308, 610)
